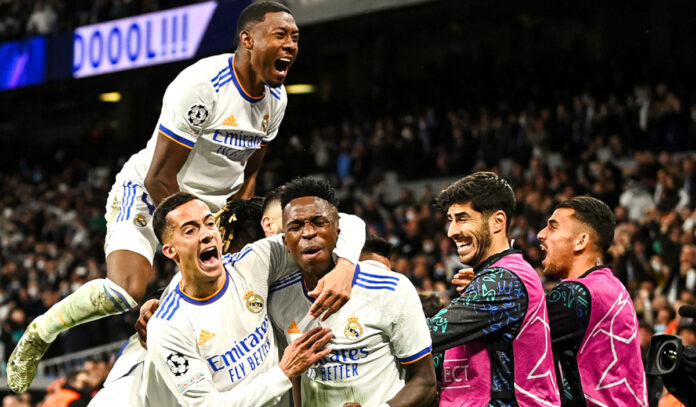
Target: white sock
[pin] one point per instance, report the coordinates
(93, 300)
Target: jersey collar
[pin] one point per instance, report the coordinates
(484, 264)
(242, 92)
(311, 299)
(207, 300)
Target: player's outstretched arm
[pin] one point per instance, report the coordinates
(333, 291)
(167, 160)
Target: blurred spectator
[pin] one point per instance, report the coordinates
(74, 393)
(43, 19)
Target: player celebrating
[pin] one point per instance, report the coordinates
(495, 335)
(212, 332)
(594, 326)
(381, 327)
(217, 117)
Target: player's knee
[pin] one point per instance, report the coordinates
(129, 271)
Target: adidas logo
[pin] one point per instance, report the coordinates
(205, 337)
(293, 328)
(230, 121)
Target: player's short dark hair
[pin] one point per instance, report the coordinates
(377, 245)
(486, 191)
(431, 303)
(159, 219)
(256, 12)
(239, 223)
(272, 197)
(595, 214)
(308, 186)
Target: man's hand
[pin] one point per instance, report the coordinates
(463, 278)
(146, 311)
(304, 351)
(333, 290)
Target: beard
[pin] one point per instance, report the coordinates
(483, 238)
(553, 270)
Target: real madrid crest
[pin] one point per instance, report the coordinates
(264, 124)
(254, 302)
(353, 329)
(140, 220)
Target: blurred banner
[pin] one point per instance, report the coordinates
(23, 63)
(148, 39)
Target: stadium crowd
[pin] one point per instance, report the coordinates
(633, 151)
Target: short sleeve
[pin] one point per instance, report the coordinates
(278, 112)
(408, 332)
(187, 108)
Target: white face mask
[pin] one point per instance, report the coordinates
(656, 265)
(33, 292)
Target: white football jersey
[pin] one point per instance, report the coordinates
(199, 348)
(379, 328)
(205, 109)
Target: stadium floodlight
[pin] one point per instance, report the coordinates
(110, 97)
(300, 88)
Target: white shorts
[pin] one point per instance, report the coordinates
(128, 216)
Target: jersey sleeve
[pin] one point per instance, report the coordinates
(268, 257)
(187, 107)
(569, 306)
(408, 331)
(278, 113)
(351, 237)
(174, 354)
(494, 302)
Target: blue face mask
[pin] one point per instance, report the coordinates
(659, 328)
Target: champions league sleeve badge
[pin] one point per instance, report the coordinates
(196, 115)
(178, 364)
(353, 330)
(254, 302)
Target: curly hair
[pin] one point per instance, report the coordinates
(239, 223)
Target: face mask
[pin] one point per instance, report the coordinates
(33, 292)
(656, 265)
(659, 328)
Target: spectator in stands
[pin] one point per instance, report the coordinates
(43, 19)
(74, 393)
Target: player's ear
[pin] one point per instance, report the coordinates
(581, 242)
(169, 251)
(498, 221)
(246, 40)
(266, 226)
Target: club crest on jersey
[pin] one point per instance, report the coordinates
(140, 220)
(264, 123)
(254, 302)
(197, 114)
(353, 329)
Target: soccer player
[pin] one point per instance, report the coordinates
(495, 335)
(594, 326)
(217, 118)
(212, 334)
(240, 224)
(379, 329)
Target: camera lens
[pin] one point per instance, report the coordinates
(667, 356)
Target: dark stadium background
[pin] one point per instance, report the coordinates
(482, 63)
